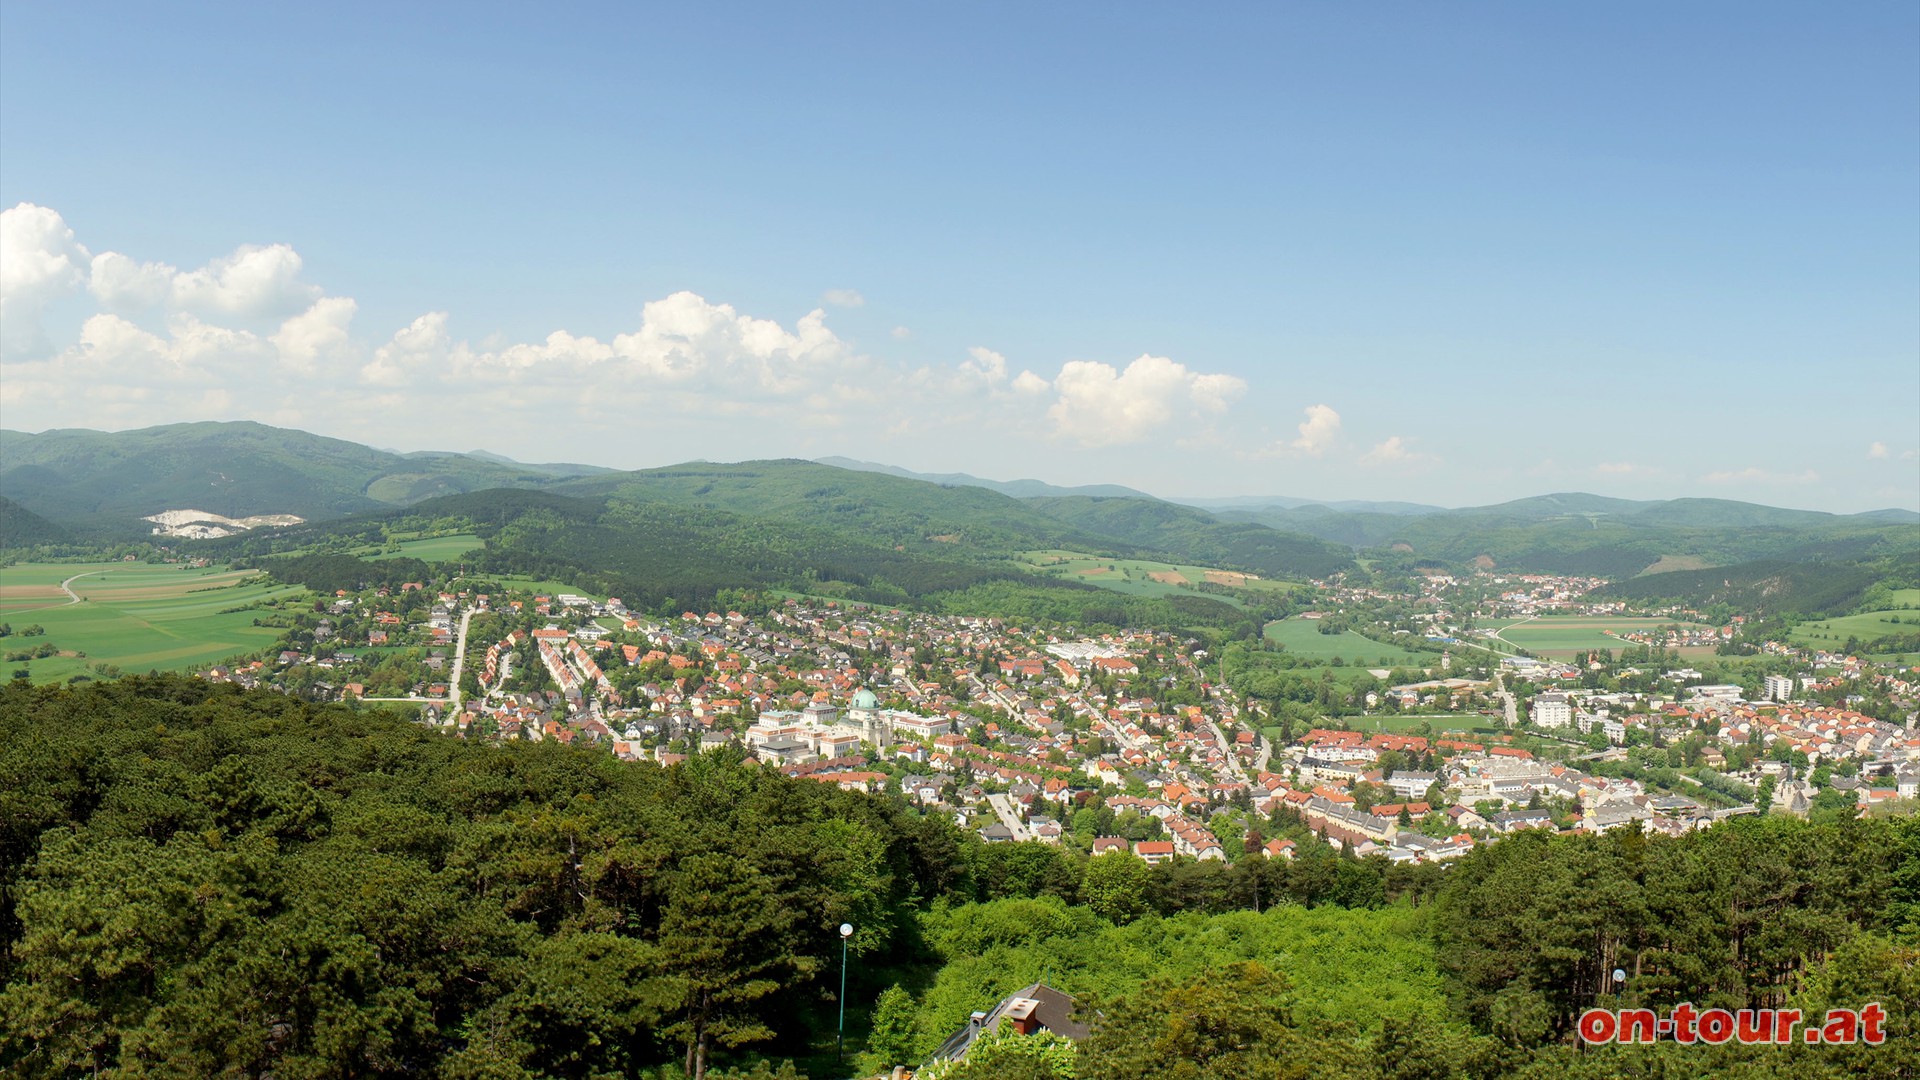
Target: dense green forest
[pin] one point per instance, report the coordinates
(90, 485)
(196, 880)
(21, 527)
(666, 557)
(101, 482)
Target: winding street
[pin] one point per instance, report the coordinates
(67, 585)
(1509, 626)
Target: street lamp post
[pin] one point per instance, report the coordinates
(840, 1039)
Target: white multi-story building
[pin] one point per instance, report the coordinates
(1779, 688)
(1552, 711)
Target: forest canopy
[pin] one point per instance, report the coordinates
(198, 880)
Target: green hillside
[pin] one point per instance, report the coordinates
(1772, 586)
(883, 508)
(21, 527)
(664, 555)
(1199, 537)
(1592, 535)
(103, 482)
(914, 513)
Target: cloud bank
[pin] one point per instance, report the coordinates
(247, 334)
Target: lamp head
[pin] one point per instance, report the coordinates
(846, 930)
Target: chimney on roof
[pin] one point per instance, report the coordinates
(976, 1020)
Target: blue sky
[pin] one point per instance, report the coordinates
(1451, 254)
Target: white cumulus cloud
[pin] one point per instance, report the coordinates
(127, 285)
(247, 335)
(1099, 405)
(318, 336)
(1394, 450)
(40, 261)
(1753, 474)
(843, 297)
(417, 347)
(1318, 430)
(1028, 383)
(985, 364)
(254, 283)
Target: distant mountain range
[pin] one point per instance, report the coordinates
(97, 485)
(1019, 489)
(1283, 502)
(96, 481)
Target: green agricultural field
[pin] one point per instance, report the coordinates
(538, 587)
(433, 549)
(1833, 633)
(1142, 577)
(1303, 638)
(1561, 636)
(135, 616)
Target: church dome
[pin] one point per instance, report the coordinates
(864, 699)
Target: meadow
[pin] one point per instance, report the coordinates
(431, 549)
(1833, 633)
(537, 586)
(1303, 638)
(136, 616)
(1561, 636)
(1143, 577)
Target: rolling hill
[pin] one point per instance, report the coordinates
(1576, 533)
(90, 484)
(21, 527)
(104, 482)
(1772, 586)
(1019, 489)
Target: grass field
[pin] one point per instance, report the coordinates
(434, 549)
(1303, 638)
(1833, 633)
(1141, 577)
(1561, 636)
(133, 615)
(539, 588)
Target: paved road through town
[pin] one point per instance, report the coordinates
(1003, 805)
(459, 664)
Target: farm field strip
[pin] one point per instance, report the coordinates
(431, 549)
(1573, 633)
(1302, 638)
(1832, 634)
(138, 617)
(1142, 577)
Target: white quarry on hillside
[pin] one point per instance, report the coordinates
(202, 525)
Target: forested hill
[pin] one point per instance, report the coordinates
(201, 881)
(876, 506)
(1200, 537)
(104, 482)
(666, 556)
(1592, 535)
(1773, 587)
(21, 527)
(900, 510)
